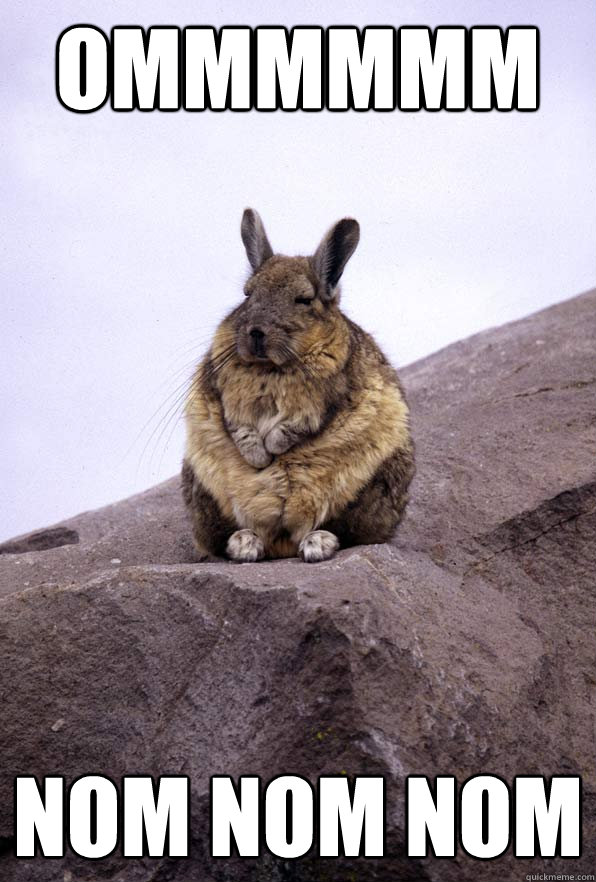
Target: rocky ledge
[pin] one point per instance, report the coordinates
(465, 646)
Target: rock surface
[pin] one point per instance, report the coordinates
(465, 646)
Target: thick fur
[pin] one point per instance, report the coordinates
(313, 438)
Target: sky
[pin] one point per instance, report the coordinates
(121, 248)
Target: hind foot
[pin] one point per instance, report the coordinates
(244, 546)
(318, 545)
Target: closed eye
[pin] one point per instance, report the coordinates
(305, 300)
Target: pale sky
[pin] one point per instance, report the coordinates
(121, 246)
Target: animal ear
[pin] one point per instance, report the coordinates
(333, 253)
(258, 249)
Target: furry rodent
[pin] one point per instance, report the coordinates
(297, 428)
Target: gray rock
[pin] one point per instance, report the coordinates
(465, 646)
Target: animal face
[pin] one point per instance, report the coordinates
(282, 312)
(291, 302)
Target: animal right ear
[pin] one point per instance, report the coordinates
(258, 249)
(333, 253)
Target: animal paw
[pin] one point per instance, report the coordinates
(250, 445)
(278, 441)
(244, 546)
(318, 545)
(256, 456)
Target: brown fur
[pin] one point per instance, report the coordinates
(323, 415)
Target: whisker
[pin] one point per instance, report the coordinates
(161, 424)
(340, 420)
(164, 421)
(215, 365)
(222, 353)
(175, 392)
(299, 363)
(172, 420)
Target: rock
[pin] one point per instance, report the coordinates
(54, 537)
(465, 646)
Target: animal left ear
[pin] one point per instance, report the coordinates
(258, 249)
(333, 253)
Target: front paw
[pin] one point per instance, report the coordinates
(250, 446)
(278, 440)
(256, 456)
(317, 546)
(244, 546)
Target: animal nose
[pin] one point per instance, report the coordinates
(257, 341)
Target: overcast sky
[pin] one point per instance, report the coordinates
(121, 247)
